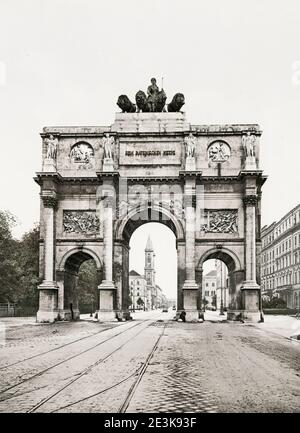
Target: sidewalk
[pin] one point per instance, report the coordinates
(286, 326)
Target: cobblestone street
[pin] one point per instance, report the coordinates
(150, 364)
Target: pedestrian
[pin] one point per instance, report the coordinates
(182, 315)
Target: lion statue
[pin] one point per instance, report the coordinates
(176, 103)
(125, 104)
(141, 102)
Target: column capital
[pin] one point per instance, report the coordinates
(250, 200)
(49, 201)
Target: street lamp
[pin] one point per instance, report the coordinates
(221, 304)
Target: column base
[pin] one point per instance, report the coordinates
(190, 299)
(48, 285)
(250, 285)
(106, 311)
(48, 312)
(245, 316)
(250, 292)
(46, 316)
(107, 316)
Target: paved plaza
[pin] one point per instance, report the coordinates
(149, 364)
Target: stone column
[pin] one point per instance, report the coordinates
(107, 288)
(199, 276)
(48, 311)
(190, 288)
(250, 288)
(180, 273)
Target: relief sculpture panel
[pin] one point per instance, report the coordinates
(220, 221)
(80, 222)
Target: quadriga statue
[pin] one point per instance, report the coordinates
(154, 101)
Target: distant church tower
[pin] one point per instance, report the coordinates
(149, 263)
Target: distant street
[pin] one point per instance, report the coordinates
(150, 364)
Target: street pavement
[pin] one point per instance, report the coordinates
(149, 364)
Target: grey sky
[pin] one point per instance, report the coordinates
(64, 62)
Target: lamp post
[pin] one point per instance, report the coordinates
(221, 304)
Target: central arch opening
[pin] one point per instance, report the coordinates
(152, 282)
(215, 286)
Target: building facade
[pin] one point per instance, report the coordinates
(139, 292)
(209, 289)
(280, 258)
(222, 290)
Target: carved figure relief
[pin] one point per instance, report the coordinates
(82, 153)
(220, 221)
(190, 146)
(248, 142)
(218, 151)
(51, 147)
(80, 221)
(108, 145)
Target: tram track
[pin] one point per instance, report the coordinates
(55, 348)
(139, 372)
(140, 375)
(41, 372)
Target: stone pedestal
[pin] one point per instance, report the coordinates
(251, 300)
(108, 165)
(150, 122)
(48, 311)
(49, 165)
(250, 163)
(106, 311)
(190, 164)
(190, 300)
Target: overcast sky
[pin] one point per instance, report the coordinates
(64, 62)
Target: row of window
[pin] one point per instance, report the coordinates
(282, 280)
(282, 248)
(212, 293)
(282, 263)
(285, 225)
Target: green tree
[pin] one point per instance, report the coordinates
(140, 302)
(8, 264)
(87, 286)
(27, 268)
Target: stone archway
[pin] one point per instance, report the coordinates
(67, 280)
(199, 180)
(236, 277)
(123, 232)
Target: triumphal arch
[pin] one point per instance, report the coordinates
(99, 183)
